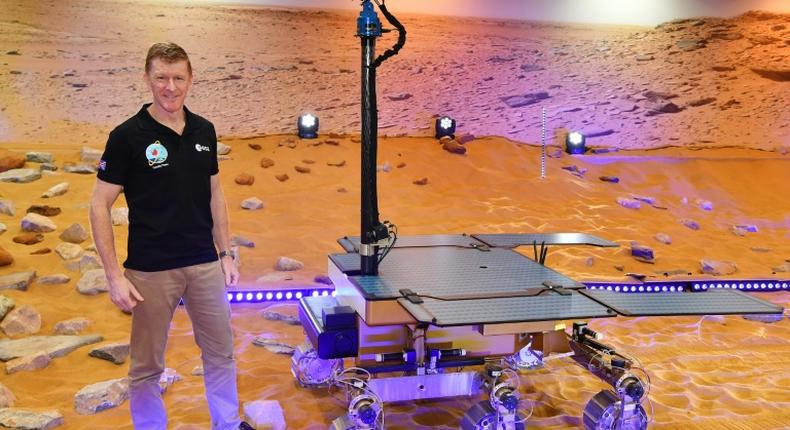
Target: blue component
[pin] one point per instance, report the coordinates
(368, 24)
(510, 402)
(367, 415)
(410, 356)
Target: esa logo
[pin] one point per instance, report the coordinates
(199, 147)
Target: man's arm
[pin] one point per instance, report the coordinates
(219, 213)
(122, 292)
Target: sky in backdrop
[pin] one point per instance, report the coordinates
(635, 12)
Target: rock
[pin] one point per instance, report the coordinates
(629, 203)
(642, 253)
(11, 162)
(71, 326)
(27, 419)
(3, 228)
(237, 240)
(28, 363)
(644, 57)
(60, 278)
(101, 396)
(717, 268)
(273, 346)
(340, 163)
(6, 259)
(16, 281)
(20, 175)
(576, 170)
(400, 165)
(278, 316)
(288, 142)
(785, 267)
(39, 157)
(252, 203)
(245, 179)
(285, 264)
(691, 44)
(41, 251)
(168, 378)
(37, 223)
(69, 251)
(6, 304)
(57, 190)
(751, 228)
(28, 238)
(302, 169)
(120, 216)
(264, 414)
(267, 162)
(619, 267)
(663, 238)
(7, 207)
(690, 223)
(93, 282)
(55, 346)
(705, 205)
(342, 190)
(282, 178)
(454, 147)
(197, 371)
(612, 179)
(116, 352)
(48, 167)
(7, 398)
(531, 68)
(422, 181)
(399, 97)
(661, 107)
(738, 231)
(701, 102)
(75, 233)
(525, 100)
(223, 149)
(323, 279)
(760, 249)
(81, 168)
(765, 318)
(465, 138)
(89, 261)
(23, 320)
(90, 155)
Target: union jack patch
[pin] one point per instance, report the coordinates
(102, 165)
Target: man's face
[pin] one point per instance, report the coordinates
(169, 84)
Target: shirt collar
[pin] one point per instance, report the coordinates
(146, 122)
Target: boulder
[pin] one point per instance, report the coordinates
(273, 346)
(252, 203)
(20, 175)
(59, 278)
(93, 282)
(71, 326)
(11, 162)
(116, 352)
(37, 223)
(168, 378)
(39, 157)
(23, 320)
(27, 419)
(101, 396)
(120, 216)
(642, 253)
(690, 223)
(238, 240)
(6, 259)
(245, 179)
(267, 162)
(264, 414)
(90, 155)
(45, 210)
(16, 280)
(288, 264)
(663, 238)
(7, 207)
(55, 346)
(7, 398)
(6, 304)
(629, 203)
(223, 149)
(28, 238)
(88, 261)
(57, 190)
(717, 268)
(74, 233)
(69, 251)
(80, 168)
(28, 363)
(273, 315)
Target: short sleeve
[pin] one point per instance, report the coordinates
(213, 143)
(114, 164)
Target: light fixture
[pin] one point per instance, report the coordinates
(307, 126)
(574, 143)
(445, 126)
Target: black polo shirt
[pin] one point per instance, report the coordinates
(167, 182)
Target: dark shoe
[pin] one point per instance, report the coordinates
(245, 426)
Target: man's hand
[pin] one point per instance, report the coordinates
(123, 294)
(230, 271)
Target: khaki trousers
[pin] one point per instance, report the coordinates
(202, 287)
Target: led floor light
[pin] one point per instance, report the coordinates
(445, 126)
(574, 143)
(307, 126)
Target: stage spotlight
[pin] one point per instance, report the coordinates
(445, 126)
(307, 126)
(574, 143)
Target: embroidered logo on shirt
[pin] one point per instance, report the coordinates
(156, 154)
(199, 147)
(102, 165)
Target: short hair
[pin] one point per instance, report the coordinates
(168, 52)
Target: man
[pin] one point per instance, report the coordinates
(164, 159)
